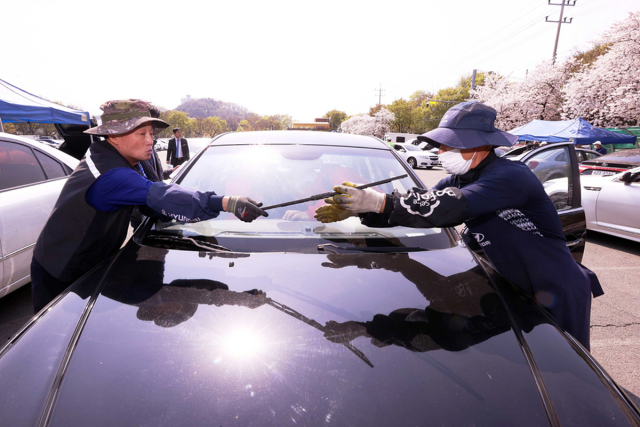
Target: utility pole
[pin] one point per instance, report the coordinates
(560, 21)
(473, 80)
(379, 94)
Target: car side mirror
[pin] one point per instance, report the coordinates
(629, 177)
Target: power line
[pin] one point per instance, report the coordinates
(460, 53)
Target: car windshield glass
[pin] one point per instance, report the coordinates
(411, 148)
(275, 174)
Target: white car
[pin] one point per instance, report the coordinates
(31, 177)
(612, 203)
(161, 145)
(416, 157)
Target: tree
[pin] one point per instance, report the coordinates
(374, 110)
(538, 97)
(402, 112)
(608, 92)
(177, 119)
(419, 97)
(363, 124)
(210, 127)
(335, 119)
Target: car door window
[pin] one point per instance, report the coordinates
(553, 169)
(51, 167)
(18, 166)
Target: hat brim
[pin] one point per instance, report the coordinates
(467, 138)
(126, 126)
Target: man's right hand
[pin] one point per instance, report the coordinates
(244, 208)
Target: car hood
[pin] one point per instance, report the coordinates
(171, 337)
(362, 339)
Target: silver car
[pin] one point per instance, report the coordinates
(31, 177)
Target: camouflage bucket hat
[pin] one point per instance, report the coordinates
(124, 115)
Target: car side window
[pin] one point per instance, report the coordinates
(553, 169)
(52, 167)
(18, 166)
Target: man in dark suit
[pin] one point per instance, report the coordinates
(177, 153)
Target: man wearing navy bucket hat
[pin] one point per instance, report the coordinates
(502, 203)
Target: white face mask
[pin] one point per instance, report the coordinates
(454, 163)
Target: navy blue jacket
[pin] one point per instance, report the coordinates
(506, 208)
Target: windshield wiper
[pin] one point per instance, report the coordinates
(187, 242)
(335, 249)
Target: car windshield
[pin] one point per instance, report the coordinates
(275, 174)
(411, 148)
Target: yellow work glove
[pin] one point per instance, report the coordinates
(332, 212)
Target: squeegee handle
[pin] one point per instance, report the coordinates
(332, 193)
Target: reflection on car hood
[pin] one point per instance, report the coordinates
(347, 339)
(359, 339)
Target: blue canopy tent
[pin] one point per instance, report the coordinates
(579, 131)
(18, 106)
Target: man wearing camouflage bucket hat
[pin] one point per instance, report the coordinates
(90, 219)
(504, 206)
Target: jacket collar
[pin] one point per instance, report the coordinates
(473, 174)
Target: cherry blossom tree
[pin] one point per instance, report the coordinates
(538, 97)
(608, 92)
(363, 124)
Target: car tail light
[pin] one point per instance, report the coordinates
(533, 164)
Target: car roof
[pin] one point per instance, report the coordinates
(68, 160)
(631, 156)
(299, 138)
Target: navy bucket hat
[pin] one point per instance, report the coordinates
(468, 125)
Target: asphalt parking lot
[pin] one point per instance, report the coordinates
(615, 321)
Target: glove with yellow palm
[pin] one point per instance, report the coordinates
(356, 200)
(332, 212)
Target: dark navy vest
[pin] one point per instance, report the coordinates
(76, 236)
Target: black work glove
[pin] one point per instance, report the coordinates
(244, 208)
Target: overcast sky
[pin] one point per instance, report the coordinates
(299, 57)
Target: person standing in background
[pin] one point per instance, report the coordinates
(178, 150)
(598, 147)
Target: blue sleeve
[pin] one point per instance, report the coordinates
(500, 189)
(124, 186)
(183, 204)
(116, 188)
(447, 181)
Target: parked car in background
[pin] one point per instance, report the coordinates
(612, 163)
(416, 157)
(287, 321)
(612, 203)
(31, 177)
(162, 145)
(551, 164)
(50, 141)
